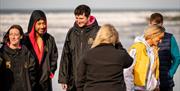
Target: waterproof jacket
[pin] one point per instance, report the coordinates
(1, 61)
(48, 63)
(144, 73)
(18, 69)
(101, 69)
(78, 41)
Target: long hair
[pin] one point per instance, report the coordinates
(153, 31)
(6, 36)
(106, 34)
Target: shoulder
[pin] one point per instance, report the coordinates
(168, 34)
(48, 36)
(25, 50)
(138, 45)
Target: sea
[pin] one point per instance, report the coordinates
(129, 24)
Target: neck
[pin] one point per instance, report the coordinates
(14, 46)
(37, 35)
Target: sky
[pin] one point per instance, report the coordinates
(94, 4)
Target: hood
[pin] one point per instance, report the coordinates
(91, 23)
(35, 16)
(141, 39)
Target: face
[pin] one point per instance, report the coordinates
(14, 36)
(40, 26)
(81, 20)
(157, 39)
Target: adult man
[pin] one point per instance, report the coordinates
(169, 55)
(43, 47)
(78, 41)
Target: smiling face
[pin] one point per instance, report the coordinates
(40, 26)
(14, 37)
(81, 20)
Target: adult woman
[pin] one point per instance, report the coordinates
(18, 66)
(143, 75)
(101, 69)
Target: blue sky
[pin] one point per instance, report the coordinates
(95, 4)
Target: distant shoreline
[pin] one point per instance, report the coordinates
(7, 11)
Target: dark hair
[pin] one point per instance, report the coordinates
(82, 9)
(6, 37)
(157, 17)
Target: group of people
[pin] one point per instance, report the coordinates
(28, 61)
(92, 59)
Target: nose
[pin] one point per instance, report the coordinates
(42, 26)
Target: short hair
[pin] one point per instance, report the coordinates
(106, 34)
(153, 31)
(82, 9)
(6, 37)
(157, 18)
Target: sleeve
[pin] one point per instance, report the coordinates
(65, 63)
(32, 70)
(53, 57)
(128, 59)
(81, 74)
(1, 60)
(128, 73)
(175, 57)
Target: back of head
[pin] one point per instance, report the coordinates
(156, 19)
(153, 31)
(82, 9)
(107, 34)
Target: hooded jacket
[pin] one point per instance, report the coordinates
(144, 73)
(18, 69)
(47, 63)
(78, 41)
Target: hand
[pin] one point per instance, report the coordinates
(64, 86)
(51, 75)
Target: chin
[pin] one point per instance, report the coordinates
(81, 25)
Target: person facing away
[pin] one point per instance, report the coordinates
(78, 40)
(101, 68)
(169, 55)
(18, 71)
(43, 48)
(143, 75)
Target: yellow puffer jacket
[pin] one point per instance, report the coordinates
(141, 67)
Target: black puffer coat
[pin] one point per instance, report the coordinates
(17, 70)
(78, 41)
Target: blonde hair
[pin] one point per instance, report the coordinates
(153, 31)
(106, 34)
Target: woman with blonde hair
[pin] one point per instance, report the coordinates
(143, 74)
(101, 68)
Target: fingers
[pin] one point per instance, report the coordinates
(64, 86)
